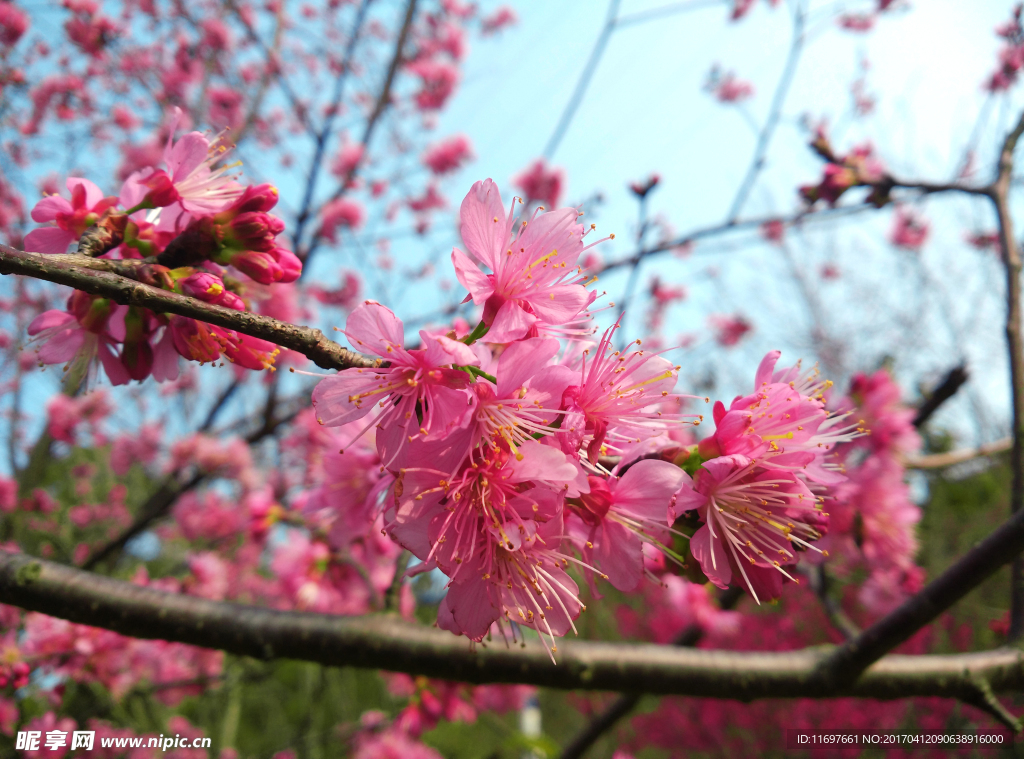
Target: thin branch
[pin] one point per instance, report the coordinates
(160, 503)
(819, 578)
(584, 81)
(87, 274)
(155, 507)
(383, 642)
(774, 114)
(940, 460)
(393, 596)
(846, 663)
(671, 9)
(301, 112)
(700, 233)
(325, 131)
(383, 100)
(987, 701)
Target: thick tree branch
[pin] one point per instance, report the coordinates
(385, 642)
(94, 276)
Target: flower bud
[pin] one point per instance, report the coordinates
(210, 289)
(161, 190)
(259, 266)
(291, 266)
(255, 199)
(253, 230)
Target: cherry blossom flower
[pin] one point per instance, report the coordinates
(541, 183)
(534, 286)
(448, 155)
(71, 218)
(615, 401)
(417, 381)
(192, 178)
(755, 521)
(84, 336)
(729, 328)
(618, 515)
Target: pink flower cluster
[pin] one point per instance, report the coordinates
(1011, 55)
(873, 515)
(761, 481)
(526, 445)
(191, 228)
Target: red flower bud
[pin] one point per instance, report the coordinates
(161, 190)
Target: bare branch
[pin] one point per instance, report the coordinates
(940, 460)
(764, 139)
(383, 100)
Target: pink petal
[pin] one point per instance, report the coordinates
(51, 240)
(332, 396)
(764, 583)
(541, 462)
(186, 155)
(474, 606)
(373, 327)
(510, 323)
(116, 371)
(93, 194)
(446, 409)
(63, 345)
(687, 498)
(165, 359)
(50, 319)
(766, 369)
(133, 191)
(485, 224)
(48, 208)
(480, 286)
(646, 489)
(554, 231)
(558, 305)
(456, 352)
(711, 555)
(521, 361)
(115, 324)
(620, 555)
